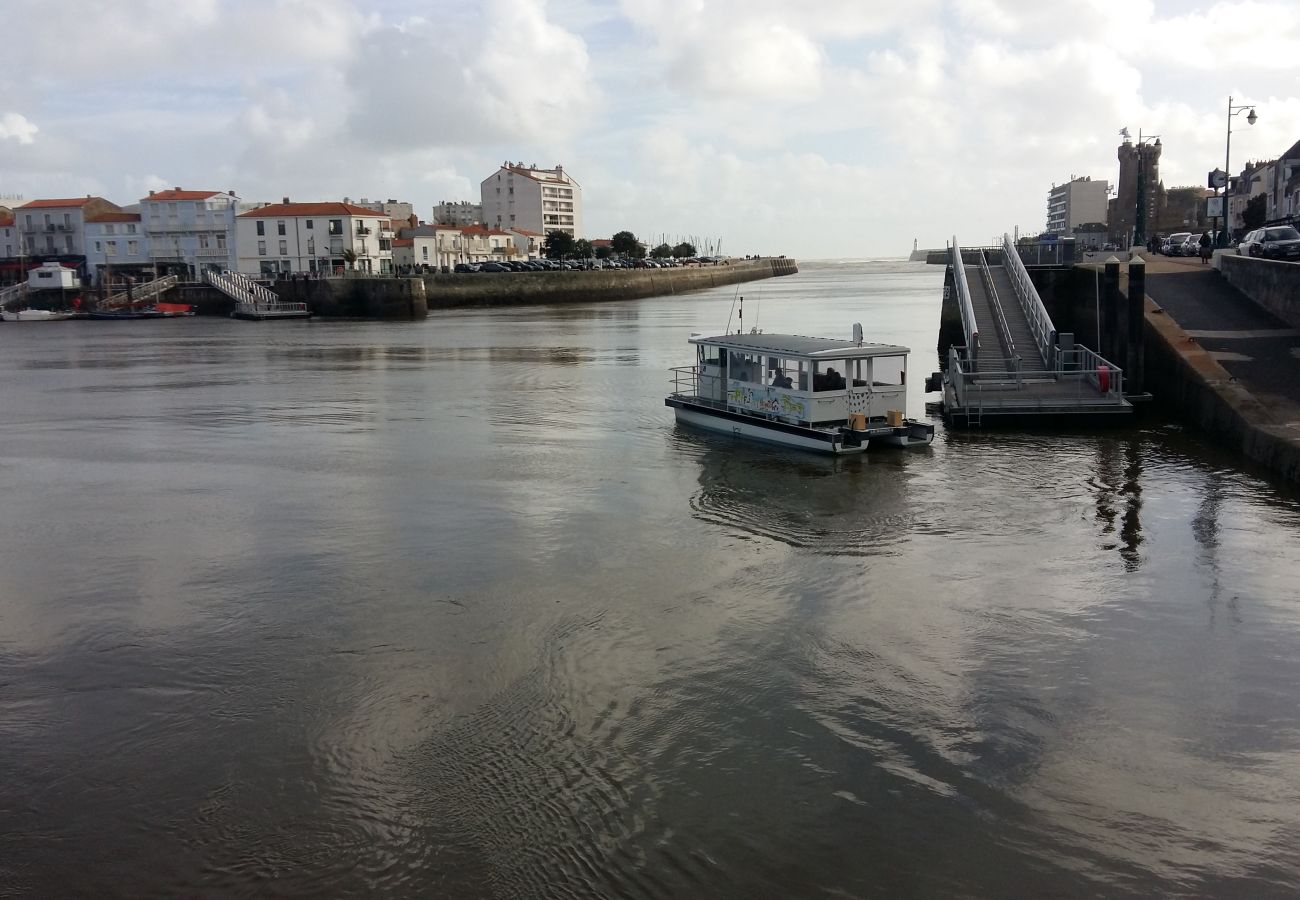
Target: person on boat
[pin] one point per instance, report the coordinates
(782, 380)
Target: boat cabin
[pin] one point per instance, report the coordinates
(809, 381)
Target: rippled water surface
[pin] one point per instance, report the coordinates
(453, 609)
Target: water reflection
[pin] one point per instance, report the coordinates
(1119, 483)
(837, 506)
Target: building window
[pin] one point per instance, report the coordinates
(203, 242)
(279, 227)
(310, 224)
(110, 248)
(67, 220)
(133, 248)
(311, 246)
(336, 226)
(284, 247)
(261, 247)
(98, 247)
(108, 229)
(67, 243)
(47, 221)
(221, 242)
(425, 252)
(130, 229)
(261, 227)
(29, 221)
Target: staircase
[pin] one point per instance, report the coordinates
(253, 300)
(149, 292)
(14, 295)
(991, 355)
(1031, 361)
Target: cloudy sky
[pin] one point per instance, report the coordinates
(838, 128)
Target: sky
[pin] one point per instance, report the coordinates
(834, 129)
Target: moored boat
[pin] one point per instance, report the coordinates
(35, 315)
(788, 389)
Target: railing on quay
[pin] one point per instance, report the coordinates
(1040, 323)
(13, 293)
(1083, 378)
(999, 317)
(150, 290)
(963, 299)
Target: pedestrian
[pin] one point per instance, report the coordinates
(1205, 247)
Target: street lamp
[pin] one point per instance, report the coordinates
(1227, 156)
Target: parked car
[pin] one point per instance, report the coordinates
(465, 268)
(1191, 246)
(493, 267)
(1173, 245)
(1274, 242)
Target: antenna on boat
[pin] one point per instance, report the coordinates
(733, 307)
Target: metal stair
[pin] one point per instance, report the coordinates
(1031, 360)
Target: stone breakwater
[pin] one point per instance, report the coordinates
(390, 297)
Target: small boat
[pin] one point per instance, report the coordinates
(35, 315)
(789, 389)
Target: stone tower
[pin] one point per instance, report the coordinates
(1139, 171)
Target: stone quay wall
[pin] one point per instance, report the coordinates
(1272, 284)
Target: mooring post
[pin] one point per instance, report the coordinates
(1108, 345)
(1135, 360)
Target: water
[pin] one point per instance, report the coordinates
(453, 609)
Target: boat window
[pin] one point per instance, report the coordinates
(887, 371)
(745, 367)
(710, 355)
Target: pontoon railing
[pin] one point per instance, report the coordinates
(1040, 323)
(1084, 378)
(963, 299)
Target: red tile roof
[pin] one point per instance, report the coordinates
(114, 217)
(403, 242)
(601, 242)
(474, 230)
(525, 231)
(311, 209)
(54, 204)
(178, 194)
(6, 219)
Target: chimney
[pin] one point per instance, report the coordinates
(177, 188)
(286, 201)
(231, 193)
(150, 193)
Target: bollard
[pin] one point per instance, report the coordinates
(1108, 343)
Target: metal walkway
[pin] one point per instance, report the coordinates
(1014, 364)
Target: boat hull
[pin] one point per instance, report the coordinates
(752, 428)
(35, 315)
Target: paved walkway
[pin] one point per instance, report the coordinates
(1254, 346)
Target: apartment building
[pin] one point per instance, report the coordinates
(541, 200)
(189, 231)
(55, 230)
(457, 213)
(300, 238)
(117, 243)
(1080, 201)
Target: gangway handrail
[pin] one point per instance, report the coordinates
(12, 292)
(141, 293)
(967, 310)
(999, 317)
(1040, 323)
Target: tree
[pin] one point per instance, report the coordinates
(684, 249)
(603, 251)
(1252, 216)
(663, 251)
(582, 249)
(625, 244)
(558, 244)
(350, 257)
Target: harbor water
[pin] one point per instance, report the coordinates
(452, 608)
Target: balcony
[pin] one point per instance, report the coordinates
(362, 231)
(386, 235)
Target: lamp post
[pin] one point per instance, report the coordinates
(1227, 156)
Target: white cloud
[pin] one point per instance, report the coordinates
(15, 126)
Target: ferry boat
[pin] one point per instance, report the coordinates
(820, 394)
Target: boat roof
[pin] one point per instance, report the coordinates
(798, 345)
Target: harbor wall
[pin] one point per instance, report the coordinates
(524, 288)
(1272, 284)
(402, 297)
(1187, 380)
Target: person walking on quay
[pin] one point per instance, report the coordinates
(1205, 247)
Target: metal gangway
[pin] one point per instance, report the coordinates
(13, 295)
(148, 292)
(1014, 362)
(251, 298)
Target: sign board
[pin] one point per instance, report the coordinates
(1217, 179)
(1214, 207)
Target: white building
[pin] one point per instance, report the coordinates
(189, 231)
(1080, 201)
(540, 200)
(457, 213)
(56, 229)
(9, 240)
(528, 244)
(293, 238)
(116, 242)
